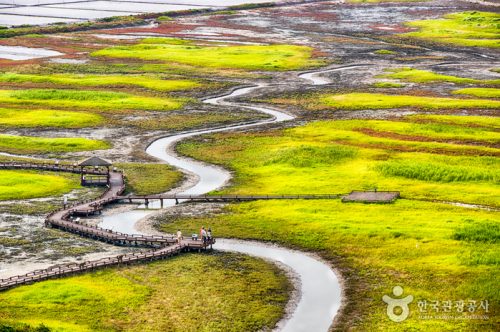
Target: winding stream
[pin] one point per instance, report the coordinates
(315, 78)
(320, 291)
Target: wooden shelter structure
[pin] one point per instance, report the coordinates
(99, 175)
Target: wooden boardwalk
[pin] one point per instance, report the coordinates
(162, 246)
(75, 268)
(52, 167)
(146, 199)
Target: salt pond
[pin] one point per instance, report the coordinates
(25, 53)
(38, 12)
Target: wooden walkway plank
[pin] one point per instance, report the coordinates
(162, 246)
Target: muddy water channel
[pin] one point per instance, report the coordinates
(318, 286)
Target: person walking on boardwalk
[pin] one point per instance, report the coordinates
(179, 236)
(203, 234)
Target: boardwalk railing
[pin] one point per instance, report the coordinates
(163, 246)
(50, 167)
(220, 198)
(72, 268)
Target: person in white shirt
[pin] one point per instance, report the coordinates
(204, 234)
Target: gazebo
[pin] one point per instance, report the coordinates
(97, 176)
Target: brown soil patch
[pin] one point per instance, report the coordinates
(405, 148)
(415, 138)
(430, 121)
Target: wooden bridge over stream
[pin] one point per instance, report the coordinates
(161, 247)
(64, 219)
(146, 199)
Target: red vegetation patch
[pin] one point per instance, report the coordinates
(406, 148)
(415, 138)
(62, 45)
(10, 63)
(218, 22)
(166, 28)
(430, 121)
(314, 15)
(181, 29)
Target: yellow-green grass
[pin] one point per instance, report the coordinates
(479, 92)
(385, 52)
(360, 101)
(387, 85)
(188, 121)
(355, 101)
(82, 99)
(219, 292)
(424, 76)
(436, 252)
(173, 68)
(438, 131)
(266, 57)
(471, 29)
(44, 145)
(471, 120)
(433, 138)
(152, 83)
(335, 157)
(146, 179)
(27, 184)
(25, 118)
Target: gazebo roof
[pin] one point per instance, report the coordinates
(94, 161)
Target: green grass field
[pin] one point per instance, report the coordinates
(429, 249)
(413, 242)
(151, 83)
(360, 101)
(189, 121)
(424, 76)
(385, 52)
(22, 118)
(385, 85)
(146, 179)
(490, 122)
(430, 130)
(362, 160)
(84, 100)
(471, 29)
(219, 292)
(479, 92)
(426, 242)
(27, 184)
(269, 57)
(44, 145)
